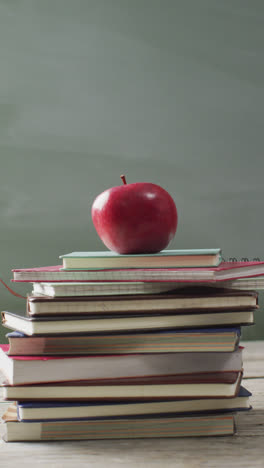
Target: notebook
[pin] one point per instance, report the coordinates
(62, 289)
(226, 271)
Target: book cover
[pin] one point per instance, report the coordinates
(162, 253)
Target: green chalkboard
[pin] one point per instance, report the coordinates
(165, 91)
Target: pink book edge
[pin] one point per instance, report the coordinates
(223, 266)
(5, 349)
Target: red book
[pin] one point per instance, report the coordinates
(226, 271)
(21, 370)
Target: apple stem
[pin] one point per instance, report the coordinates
(123, 179)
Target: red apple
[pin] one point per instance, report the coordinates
(135, 218)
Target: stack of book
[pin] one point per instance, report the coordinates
(115, 346)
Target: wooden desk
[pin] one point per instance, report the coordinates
(245, 449)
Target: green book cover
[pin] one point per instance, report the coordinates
(163, 253)
(164, 259)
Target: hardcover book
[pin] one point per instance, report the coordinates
(201, 340)
(192, 300)
(94, 324)
(207, 385)
(54, 410)
(20, 370)
(118, 428)
(163, 259)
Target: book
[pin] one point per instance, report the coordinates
(54, 410)
(207, 385)
(192, 299)
(93, 324)
(118, 428)
(201, 340)
(20, 370)
(243, 283)
(163, 259)
(62, 289)
(226, 271)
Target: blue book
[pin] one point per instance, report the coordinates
(54, 410)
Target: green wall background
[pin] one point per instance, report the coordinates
(165, 91)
